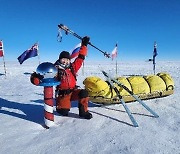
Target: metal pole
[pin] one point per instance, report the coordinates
(67, 30)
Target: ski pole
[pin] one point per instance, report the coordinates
(67, 30)
(132, 94)
(135, 124)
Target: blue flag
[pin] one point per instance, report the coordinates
(32, 52)
(154, 55)
(155, 50)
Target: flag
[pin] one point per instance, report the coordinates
(114, 52)
(75, 51)
(155, 50)
(1, 49)
(32, 52)
(154, 55)
(2, 55)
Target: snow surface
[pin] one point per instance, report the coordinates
(109, 131)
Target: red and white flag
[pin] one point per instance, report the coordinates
(114, 52)
(1, 49)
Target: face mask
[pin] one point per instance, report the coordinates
(65, 66)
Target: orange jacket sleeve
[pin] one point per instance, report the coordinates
(79, 60)
(83, 50)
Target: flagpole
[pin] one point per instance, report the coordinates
(83, 69)
(39, 58)
(154, 64)
(4, 66)
(116, 60)
(116, 67)
(38, 52)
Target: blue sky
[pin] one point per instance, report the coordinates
(134, 24)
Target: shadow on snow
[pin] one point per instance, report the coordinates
(1, 74)
(35, 112)
(31, 112)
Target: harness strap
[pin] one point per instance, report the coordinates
(65, 92)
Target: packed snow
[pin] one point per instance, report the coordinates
(109, 131)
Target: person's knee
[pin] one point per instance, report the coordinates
(83, 93)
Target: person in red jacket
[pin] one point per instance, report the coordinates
(67, 91)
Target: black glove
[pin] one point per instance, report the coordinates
(85, 40)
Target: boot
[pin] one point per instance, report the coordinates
(63, 112)
(82, 112)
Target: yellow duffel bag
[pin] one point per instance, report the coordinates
(168, 80)
(125, 82)
(156, 83)
(139, 85)
(97, 87)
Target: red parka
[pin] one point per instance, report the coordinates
(67, 76)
